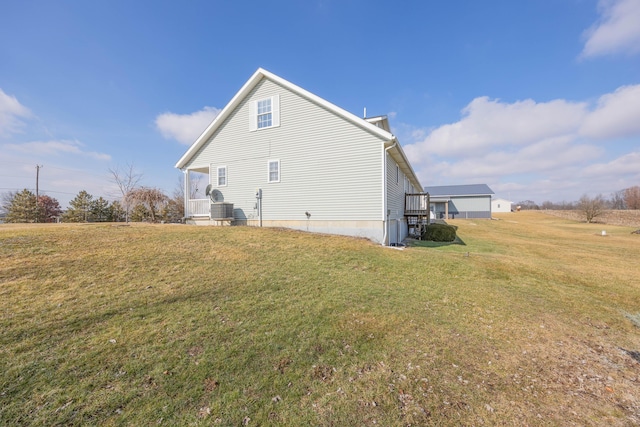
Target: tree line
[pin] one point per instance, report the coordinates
(141, 204)
(629, 198)
(592, 207)
(135, 203)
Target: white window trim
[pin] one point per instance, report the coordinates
(226, 176)
(269, 170)
(275, 113)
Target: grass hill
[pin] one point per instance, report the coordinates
(533, 321)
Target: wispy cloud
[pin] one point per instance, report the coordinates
(185, 128)
(56, 147)
(11, 113)
(618, 30)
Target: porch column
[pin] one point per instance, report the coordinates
(187, 184)
(446, 210)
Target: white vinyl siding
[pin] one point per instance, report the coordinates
(395, 193)
(273, 171)
(333, 166)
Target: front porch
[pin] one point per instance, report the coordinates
(196, 205)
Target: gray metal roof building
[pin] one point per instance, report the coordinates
(460, 201)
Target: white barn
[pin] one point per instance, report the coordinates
(278, 155)
(500, 205)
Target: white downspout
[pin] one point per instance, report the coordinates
(385, 212)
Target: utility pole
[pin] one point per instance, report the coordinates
(37, 194)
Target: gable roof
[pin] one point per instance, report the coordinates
(459, 190)
(370, 125)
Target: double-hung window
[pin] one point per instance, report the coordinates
(274, 171)
(222, 176)
(264, 113)
(265, 118)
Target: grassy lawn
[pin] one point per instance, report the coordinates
(533, 320)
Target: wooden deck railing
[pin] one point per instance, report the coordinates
(197, 207)
(416, 204)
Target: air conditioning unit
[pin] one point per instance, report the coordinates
(222, 210)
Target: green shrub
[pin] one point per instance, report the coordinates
(439, 233)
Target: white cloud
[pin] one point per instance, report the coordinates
(544, 156)
(617, 114)
(626, 164)
(490, 123)
(185, 128)
(573, 146)
(618, 30)
(11, 111)
(40, 148)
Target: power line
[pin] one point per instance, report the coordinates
(43, 190)
(59, 192)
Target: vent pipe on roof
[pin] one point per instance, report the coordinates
(365, 113)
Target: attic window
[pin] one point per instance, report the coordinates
(264, 113)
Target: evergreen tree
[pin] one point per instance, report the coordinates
(117, 212)
(100, 209)
(139, 213)
(79, 208)
(21, 207)
(174, 210)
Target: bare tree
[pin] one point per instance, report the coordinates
(175, 205)
(127, 180)
(632, 197)
(152, 199)
(592, 207)
(617, 200)
(6, 200)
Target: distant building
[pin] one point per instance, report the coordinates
(501, 205)
(460, 201)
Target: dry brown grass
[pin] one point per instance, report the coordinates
(625, 218)
(529, 323)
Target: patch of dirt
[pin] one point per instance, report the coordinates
(625, 218)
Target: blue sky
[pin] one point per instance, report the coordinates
(539, 99)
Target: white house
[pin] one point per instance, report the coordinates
(500, 205)
(278, 155)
